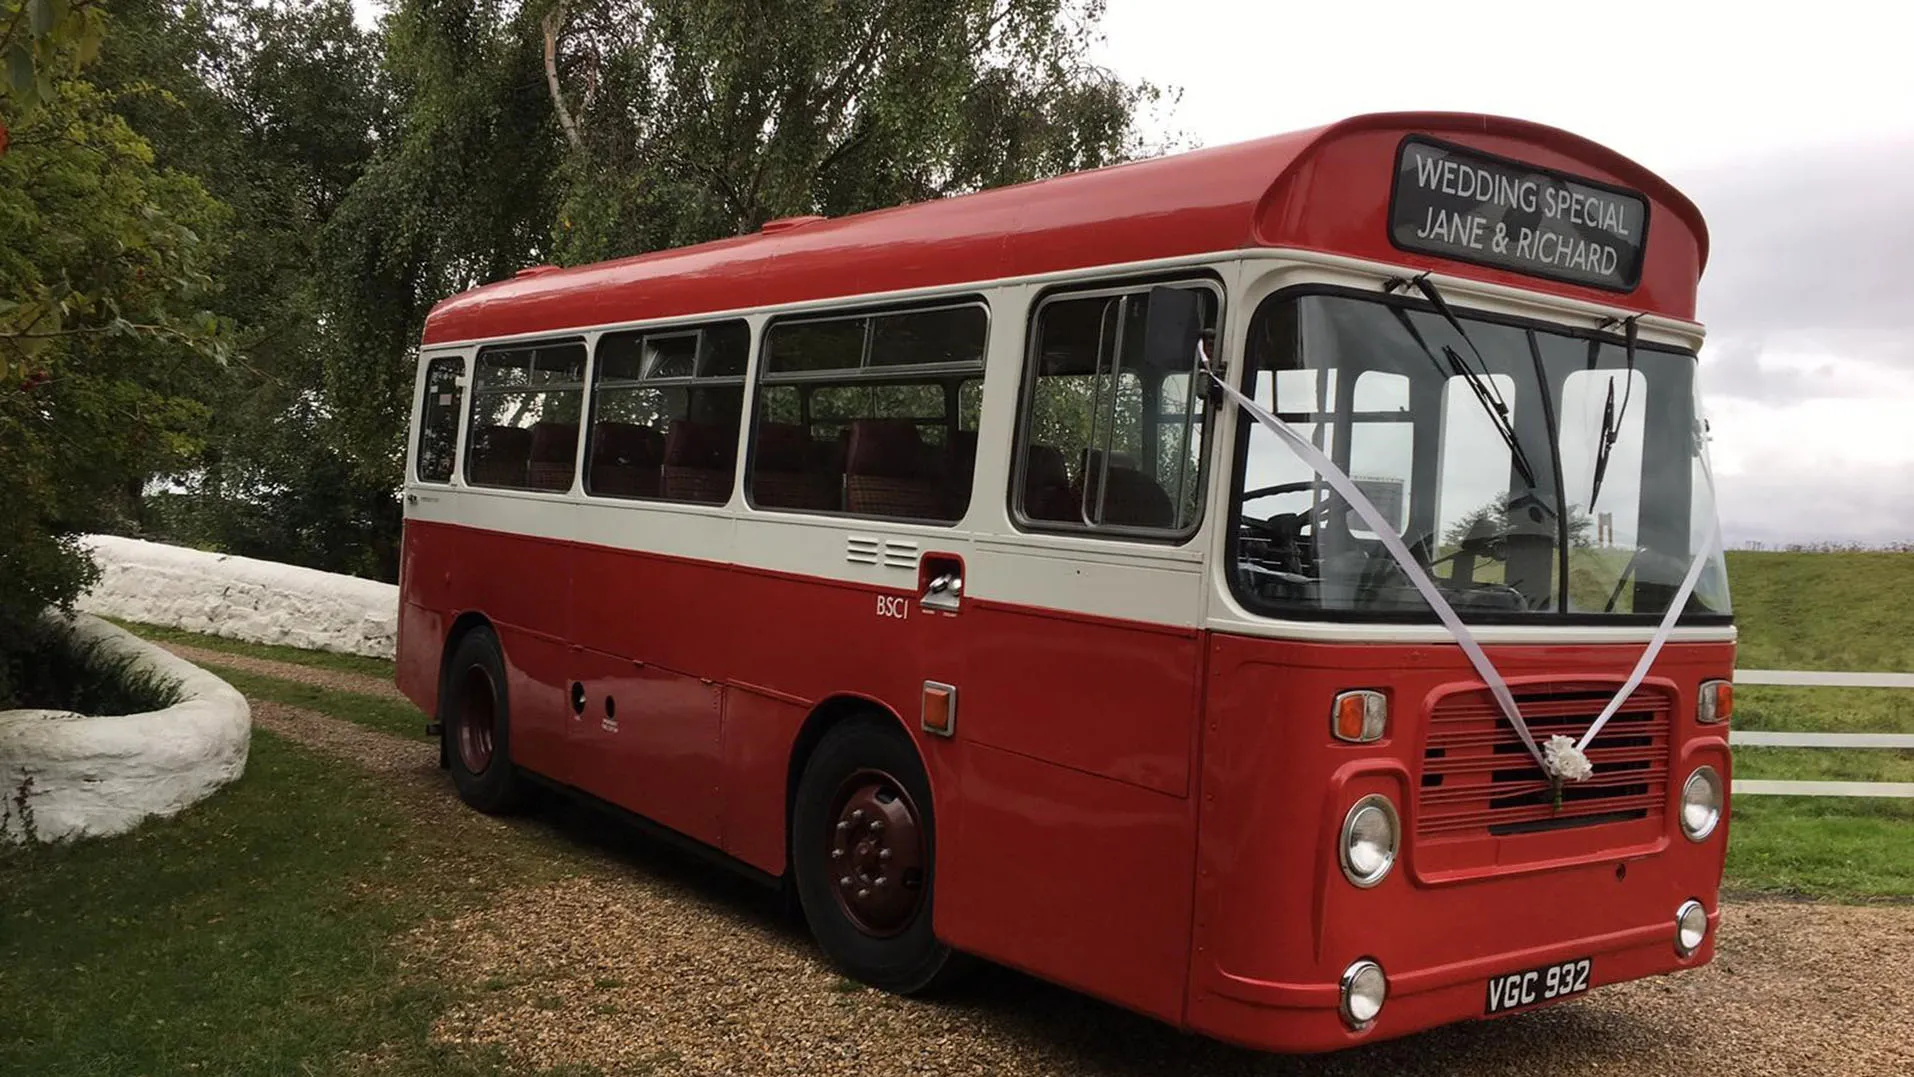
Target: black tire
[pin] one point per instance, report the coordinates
(476, 712)
(887, 945)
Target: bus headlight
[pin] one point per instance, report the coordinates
(1691, 927)
(1369, 836)
(1363, 990)
(1700, 803)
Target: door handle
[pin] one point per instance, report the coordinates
(943, 581)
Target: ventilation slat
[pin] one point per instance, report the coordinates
(1477, 778)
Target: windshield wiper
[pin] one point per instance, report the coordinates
(1611, 418)
(1479, 382)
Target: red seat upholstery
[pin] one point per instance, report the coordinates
(1047, 494)
(1132, 499)
(789, 470)
(699, 462)
(554, 455)
(499, 455)
(625, 459)
(888, 472)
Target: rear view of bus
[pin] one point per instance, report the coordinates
(1544, 465)
(1275, 589)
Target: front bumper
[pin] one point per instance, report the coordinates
(1306, 1017)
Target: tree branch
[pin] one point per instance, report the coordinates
(553, 22)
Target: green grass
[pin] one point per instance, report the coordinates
(253, 934)
(1839, 611)
(394, 716)
(1827, 848)
(1835, 611)
(345, 663)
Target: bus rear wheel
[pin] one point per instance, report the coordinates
(863, 850)
(476, 711)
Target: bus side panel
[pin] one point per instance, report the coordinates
(759, 729)
(647, 741)
(518, 582)
(1072, 827)
(1075, 878)
(423, 615)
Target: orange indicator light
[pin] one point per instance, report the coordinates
(940, 708)
(1359, 717)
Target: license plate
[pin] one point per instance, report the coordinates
(1518, 989)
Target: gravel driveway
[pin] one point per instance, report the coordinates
(649, 971)
(650, 963)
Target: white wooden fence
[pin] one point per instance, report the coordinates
(1815, 679)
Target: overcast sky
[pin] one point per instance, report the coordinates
(1794, 134)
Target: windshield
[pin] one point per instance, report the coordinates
(1486, 468)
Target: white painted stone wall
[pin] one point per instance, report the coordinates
(66, 776)
(241, 598)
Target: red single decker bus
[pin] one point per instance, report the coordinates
(1274, 588)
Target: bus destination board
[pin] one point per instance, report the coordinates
(1457, 203)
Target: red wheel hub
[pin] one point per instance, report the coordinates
(478, 715)
(876, 857)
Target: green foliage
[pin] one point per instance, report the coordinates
(278, 107)
(664, 122)
(273, 188)
(1824, 610)
(48, 668)
(105, 343)
(700, 118)
(42, 42)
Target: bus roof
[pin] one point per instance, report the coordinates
(1324, 189)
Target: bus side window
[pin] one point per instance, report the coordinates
(665, 411)
(439, 419)
(525, 410)
(865, 415)
(1106, 443)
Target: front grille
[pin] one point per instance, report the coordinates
(1477, 778)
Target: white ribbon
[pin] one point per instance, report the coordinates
(1563, 759)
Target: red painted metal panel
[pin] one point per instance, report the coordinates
(1339, 203)
(759, 731)
(1323, 189)
(1108, 698)
(1276, 922)
(1077, 878)
(648, 741)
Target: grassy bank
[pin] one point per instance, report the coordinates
(268, 908)
(1833, 611)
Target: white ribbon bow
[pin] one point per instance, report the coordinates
(1562, 759)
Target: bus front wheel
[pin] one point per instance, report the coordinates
(477, 726)
(863, 850)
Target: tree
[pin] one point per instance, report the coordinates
(690, 119)
(277, 107)
(577, 130)
(1491, 521)
(104, 340)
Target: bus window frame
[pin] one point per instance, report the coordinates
(1206, 278)
(1226, 559)
(472, 399)
(695, 380)
(423, 361)
(762, 377)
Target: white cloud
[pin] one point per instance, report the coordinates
(1793, 135)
